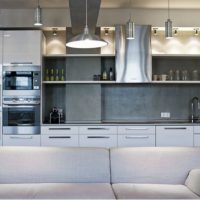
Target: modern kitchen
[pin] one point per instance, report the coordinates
(129, 93)
(99, 99)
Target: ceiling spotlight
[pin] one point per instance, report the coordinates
(176, 32)
(54, 33)
(155, 31)
(168, 25)
(196, 31)
(106, 31)
(38, 15)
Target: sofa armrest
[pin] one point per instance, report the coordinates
(193, 181)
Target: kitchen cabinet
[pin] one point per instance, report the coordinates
(136, 136)
(98, 136)
(61, 136)
(197, 136)
(21, 140)
(174, 136)
(22, 47)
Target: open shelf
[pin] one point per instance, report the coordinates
(179, 82)
(79, 55)
(78, 82)
(175, 55)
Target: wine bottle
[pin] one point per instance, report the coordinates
(52, 75)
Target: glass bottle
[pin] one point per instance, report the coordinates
(47, 75)
(104, 75)
(52, 75)
(62, 75)
(111, 74)
(57, 75)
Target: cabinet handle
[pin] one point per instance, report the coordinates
(59, 137)
(98, 128)
(21, 137)
(129, 129)
(21, 63)
(53, 129)
(175, 128)
(98, 137)
(137, 137)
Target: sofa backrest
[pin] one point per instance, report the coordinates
(54, 165)
(165, 165)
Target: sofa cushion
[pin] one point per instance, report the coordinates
(57, 191)
(54, 165)
(152, 191)
(165, 165)
(193, 181)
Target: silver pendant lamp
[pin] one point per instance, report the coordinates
(168, 26)
(86, 40)
(130, 26)
(38, 15)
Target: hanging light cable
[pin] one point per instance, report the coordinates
(86, 40)
(168, 25)
(130, 26)
(38, 15)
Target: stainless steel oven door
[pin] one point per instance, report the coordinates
(21, 119)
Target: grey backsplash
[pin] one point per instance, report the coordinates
(142, 102)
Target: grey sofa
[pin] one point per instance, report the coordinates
(97, 173)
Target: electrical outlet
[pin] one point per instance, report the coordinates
(165, 114)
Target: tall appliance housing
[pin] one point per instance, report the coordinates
(133, 57)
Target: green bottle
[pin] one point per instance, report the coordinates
(57, 75)
(52, 75)
(47, 75)
(62, 75)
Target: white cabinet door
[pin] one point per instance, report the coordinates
(197, 136)
(101, 130)
(22, 46)
(60, 140)
(136, 140)
(21, 140)
(106, 141)
(174, 136)
(57, 130)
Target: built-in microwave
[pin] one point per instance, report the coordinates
(21, 78)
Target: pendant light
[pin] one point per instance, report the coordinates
(38, 15)
(168, 26)
(130, 26)
(86, 40)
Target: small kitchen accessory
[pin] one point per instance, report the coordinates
(195, 75)
(163, 77)
(171, 75)
(55, 116)
(155, 77)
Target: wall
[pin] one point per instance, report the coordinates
(107, 17)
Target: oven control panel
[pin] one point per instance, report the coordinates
(21, 100)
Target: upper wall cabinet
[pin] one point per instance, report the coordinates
(22, 47)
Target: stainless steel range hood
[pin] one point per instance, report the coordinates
(133, 57)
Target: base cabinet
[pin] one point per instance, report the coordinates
(60, 140)
(106, 141)
(179, 136)
(197, 136)
(21, 140)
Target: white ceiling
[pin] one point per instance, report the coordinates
(177, 4)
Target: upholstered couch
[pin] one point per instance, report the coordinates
(97, 173)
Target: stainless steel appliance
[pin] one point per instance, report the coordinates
(21, 115)
(133, 57)
(21, 79)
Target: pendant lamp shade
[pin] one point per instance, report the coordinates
(130, 30)
(38, 16)
(86, 40)
(168, 26)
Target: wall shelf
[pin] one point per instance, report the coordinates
(176, 82)
(78, 82)
(176, 55)
(78, 55)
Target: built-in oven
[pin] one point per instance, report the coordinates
(21, 79)
(21, 115)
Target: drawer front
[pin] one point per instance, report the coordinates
(59, 130)
(60, 140)
(197, 140)
(197, 129)
(98, 141)
(136, 140)
(174, 139)
(174, 129)
(136, 129)
(21, 140)
(112, 130)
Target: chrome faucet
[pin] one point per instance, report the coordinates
(195, 109)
